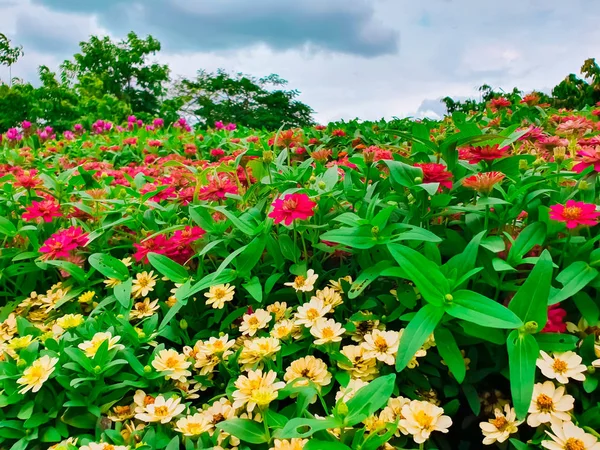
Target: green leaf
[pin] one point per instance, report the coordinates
(532, 235)
(556, 342)
(51, 434)
(77, 272)
(519, 445)
(450, 353)
(369, 399)
(587, 307)
(247, 260)
(122, 293)
(530, 302)
(7, 227)
(108, 266)
(356, 237)
(477, 308)
(173, 443)
(574, 278)
(245, 430)
(366, 277)
(254, 289)
(416, 333)
(426, 275)
(403, 175)
(303, 428)
(169, 268)
(523, 352)
(315, 444)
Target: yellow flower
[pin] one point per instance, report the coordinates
(144, 309)
(193, 425)
(87, 297)
(337, 284)
(127, 261)
(258, 350)
(501, 426)
(18, 343)
(69, 321)
(310, 312)
(103, 446)
(35, 375)
(393, 413)
(382, 345)
(362, 367)
(568, 436)
(256, 389)
(562, 366)
(310, 368)
(219, 294)
(327, 330)
(422, 418)
(304, 283)
(91, 347)
(285, 329)
(172, 365)
(549, 404)
(161, 410)
(251, 323)
(112, 282)
(330, 297)
(143, 284)
(279, 309)
(289, 444)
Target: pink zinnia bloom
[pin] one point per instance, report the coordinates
(46, 210)
(436, 173)
(483, 182)
(500, 102)
(292, 207)
(586, 157)
(218, 187)
(556, 317)
(57, 247)
(487, 153)
(575, 213)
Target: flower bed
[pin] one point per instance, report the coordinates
(391, 285)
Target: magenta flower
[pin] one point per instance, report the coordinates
(575, 213)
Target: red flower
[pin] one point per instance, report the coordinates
(436, 173)
(556, 317)
(586, 157)
(218, 187)
(483, 182)
(63, 243)
(531, 99)
(292, 207)
(575, 213)
(46, 210)
(217, 152)
(487, 153)
(500, 102)
(338, 132)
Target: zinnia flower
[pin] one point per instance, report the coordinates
(382, 345)
(45, 210)
(35, 375)
(556, 317)
(422, 418)
(292, 207)
(91, 347)
(161, 410)
(562, 366)
(483, 182)
(193, 425)
(487, 153)
(304, 283)
(549, 404)
(258, 320)
(575, 213)
(172, 365)
(568, 436)
(327, 330)
(310, 368)
(436, 173)
(219, 294)
(586, 157)
(143, 284)
(501, 426)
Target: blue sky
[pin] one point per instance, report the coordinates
(349, 58)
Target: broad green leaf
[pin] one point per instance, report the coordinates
(109, 266)
(247, 260)
(477, 308)
(530, 302)
(556, 342)
(450, 353)
(523, 352)
(303, 428)
(361, 237)
(574, 278)
(77, 272)
(402, 175)
(369, 399)
(587, 307)
(416, 333)
(426, 275)
(7, 227)
(254, 288)
(122, 293)
(168, 268)
(314, 444)
(245, 430)
(366, 277)
(532, 235)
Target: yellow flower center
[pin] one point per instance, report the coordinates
(194, 428)
(545, 403)
(559, 366)
(381, 344)
(36, 373)
(499, 422)
(108, 447)
(299, 281)
(263, 396)
(312, 314)
(143, 282)
(327, 333)
(161, 411)
(172, 362)
(253, 321)
(219, 294)
(423, 419)
(574, 444)
(572, 213)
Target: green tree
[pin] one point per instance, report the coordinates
(9, 54)
(242, 99)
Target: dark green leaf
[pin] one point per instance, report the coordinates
(416, 333)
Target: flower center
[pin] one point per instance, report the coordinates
(143, 282)
(545, 403)
(161, 411)
(423, 419)
(312, 314)
(299, 281)
(381, 344)
(172, 362)
(499, 422)
(195, 428)
(36, 372)
(218, 418)
(574, 444)
(108, 447)
(263, 396)
(327, 333)
(572, 213)
(290, 204)
(559, 366)
(148, 400)
(219, 294)
(253, 321)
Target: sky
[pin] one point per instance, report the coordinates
(349, 59)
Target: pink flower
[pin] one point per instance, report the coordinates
(556, 317)
(217, 152)
(218, 187)
(64, 243)
(487, 153)
(46, 210)
(219, 125)
(230, 126)
(292, 207)
(436, 173)
(586, 157)
(575, 213)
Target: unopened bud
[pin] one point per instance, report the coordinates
(449, 297)
(591, 369)
(97, 369)
(375, 231)
(268, 156)
(584, 185)
(183, 324)
(531, 327)
(147, 369)
(418, 180)
(523, 165)
(559, 154)
(322, 185)
(342, 409)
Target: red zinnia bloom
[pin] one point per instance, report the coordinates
(46, 210)
(292, 207)
(217, 152)
(575, 213)
(487, 153)
(217, 188)
(556, 317)
(586, 157)
(436, 173)
(500, 102)
(531, 99)
(338, 132)
(483, 182)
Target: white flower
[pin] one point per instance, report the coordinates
(219, 294)
(91, 347)
(346, 393)
(35, 375)
(549, 404)
(193, 425)
(327, 330)
(568, 436)
(501, 426)
(102, 446)
(172, 365)
(304, 283)
(422, 418)
(382, 345)
(311, 311)
(258, 320)
(161, 410)
(562, 366)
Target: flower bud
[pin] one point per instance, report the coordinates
(531, 326)
(322, 185)
(375, 231)
(268, 156)
(97, 369)
(448, 297)
(523, 165)
(342, 409)
(584, 185)
(147, 369)
(418, 180)
(183, 324)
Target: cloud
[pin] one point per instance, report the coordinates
(195, 25)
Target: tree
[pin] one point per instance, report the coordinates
(243, 100)
(9, 54)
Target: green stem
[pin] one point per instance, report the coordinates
(487, 217)
(264, 418)
(565, 250)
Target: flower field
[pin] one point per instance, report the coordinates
(403, 284)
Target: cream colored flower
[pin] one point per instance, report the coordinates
(596, 363)
(422, 418)
(219, 294)
(172, 365)
(346, 393)
(289, 444)
(310, 312)
(362, 367)
(549, 404)
(121, 413)
(258, 320)
(279, 309)
(36, 375)
(327, 330)
(112, 282)
(18, 343)
(141, 400)
(310, 368)
(501, 426)
(285, 329)
(330, 297)
(91, 347)
(258, 350)
(162, 410)
(69, 321)
(219, 411)
(337, 284)
(304, 283)
(562, 366)
(392, 413)
(568, 436)
(103, 446)
(256, 389)
(581, 327)
(144, 309)
(382, 345)
(143, 284)
(193, 425)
